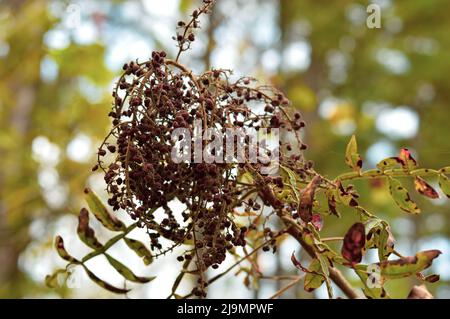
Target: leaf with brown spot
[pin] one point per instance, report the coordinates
(313, 279)
(347, 196)
(424, 188)
(140, 250)
(444, 184)
(86, 233)
(389, 163)
(103, 283)
(101, 213)
(62, 252)
(331, 198)
(408, 266)
(297, 264)
(353, 244)
(432, 278)
(402, 197)
(406, 159)
(386, 242)
(126, 272)
(352, 158)
(307, 199)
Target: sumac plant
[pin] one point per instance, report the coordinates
(230, 209)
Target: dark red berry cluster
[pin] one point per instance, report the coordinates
(151, 100)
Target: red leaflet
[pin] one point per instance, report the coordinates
(354, 242)
(297, 264)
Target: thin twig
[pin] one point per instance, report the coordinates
(287, 287)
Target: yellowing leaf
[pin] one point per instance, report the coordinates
(406, 159)
(126, 272)
(388, 163)
(101, 213)
(292, 181)
(140, 250)
(444, 184)
(407, 266)
(314, 279)
(402, 197)
(386, 242)
(424, 188)
(86, 233)
(103, 283)
(352, 158)
(62, 252)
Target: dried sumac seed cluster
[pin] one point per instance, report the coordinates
(151, 100)
(156, 97)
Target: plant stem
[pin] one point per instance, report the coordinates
(287, 287)
(397, 172)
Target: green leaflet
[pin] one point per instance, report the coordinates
(444, 184)
(140, 250)
(292, 181)
(379, 236)
(346, 196)
(388, 163)
(324, 264)
(101, 213)
(103, 283)
(126, 272)
(314, 278)
(62, 252)
(408, 266)
(86, 233)
(402, 197)
(385, 242)
(352, 158)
